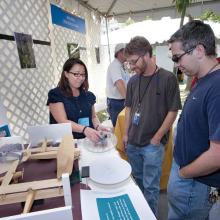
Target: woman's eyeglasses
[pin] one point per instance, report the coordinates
(177, 58)
(83, 75)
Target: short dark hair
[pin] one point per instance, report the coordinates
(139, 46)
(194, 33)
(64, 83)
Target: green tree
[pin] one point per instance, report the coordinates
(147, 17)
(181, 6)
(129, 21)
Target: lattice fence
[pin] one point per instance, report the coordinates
(24, 91)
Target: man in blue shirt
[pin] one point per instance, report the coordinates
(195, 174)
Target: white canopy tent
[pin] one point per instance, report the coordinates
(139, 9)
(155, 31)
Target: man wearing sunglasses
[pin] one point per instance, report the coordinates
(152, 102)
(195, 175)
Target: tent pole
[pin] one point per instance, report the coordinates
(106, 26)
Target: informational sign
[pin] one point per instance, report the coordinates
(67, 20)
(119, 207)
(108, 203)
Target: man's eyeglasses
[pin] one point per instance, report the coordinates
(133, 62)
(176, 58)
(78, 74)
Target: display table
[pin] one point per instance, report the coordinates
(166, 166)
(81, 192)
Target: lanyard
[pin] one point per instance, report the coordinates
(140, 98)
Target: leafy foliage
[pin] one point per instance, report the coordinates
(147, 17)
(129, 21)
(209, 15)
(182, 4)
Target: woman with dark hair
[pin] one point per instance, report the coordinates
(71, 102)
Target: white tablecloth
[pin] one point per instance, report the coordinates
(128, 186)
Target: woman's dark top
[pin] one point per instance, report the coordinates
(76, 107)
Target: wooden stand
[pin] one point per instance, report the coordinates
(44, 152)
(29, 191)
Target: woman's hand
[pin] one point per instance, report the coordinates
(92, 134)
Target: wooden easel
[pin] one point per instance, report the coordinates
(29, 191)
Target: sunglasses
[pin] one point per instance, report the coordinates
(176, 58)
(83, 75)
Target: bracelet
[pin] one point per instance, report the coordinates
(97, 127)
(84, 129)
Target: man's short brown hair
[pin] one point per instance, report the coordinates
(139, 46)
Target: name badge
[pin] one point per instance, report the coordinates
(136, 118)
(83, 121)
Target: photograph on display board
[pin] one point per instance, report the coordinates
(4, 126)
(4, 131)
(97, 53)
(73, 50)
(11, 148)
(25, 50)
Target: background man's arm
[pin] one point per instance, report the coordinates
(121, 87)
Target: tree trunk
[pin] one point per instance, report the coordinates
(183, 14)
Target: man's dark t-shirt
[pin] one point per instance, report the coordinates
(161, 96)
(199, 124)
